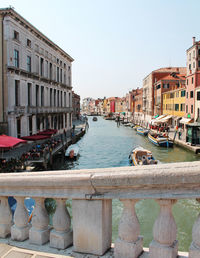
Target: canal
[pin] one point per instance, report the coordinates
(106, 145)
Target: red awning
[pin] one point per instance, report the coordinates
(35, 137)
(48, 132)
(9, 141)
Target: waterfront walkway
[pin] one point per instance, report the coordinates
(64, 139)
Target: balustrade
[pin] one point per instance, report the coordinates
(91, 192)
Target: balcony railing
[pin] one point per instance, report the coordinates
(92, 192)
(41, 110)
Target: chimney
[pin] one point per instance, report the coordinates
(193, 40)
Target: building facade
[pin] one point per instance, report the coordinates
(148, 89)
(166, 83)
(76, 105)
(193, 78)
(35, 79)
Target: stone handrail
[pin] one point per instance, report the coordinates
(92, 191)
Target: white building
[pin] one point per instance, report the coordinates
(35, 79)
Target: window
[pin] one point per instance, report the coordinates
(61, 99)
(198, 95)
(176, 107)
(57, 61)
(186, 108)
(18, 127)
(51, 98)
(29, 94)
(57, 74)
(189, 66)
(192, 80)
(69, 68)
(42, 96)
(199, 52)
(28, 60)
(41, 66)
(28, 43)
(50, 71)
(171, 95)
(183, 93)
(199, 63)
(182, 107)
(191, 109)
(65, 99)
(58, 98)
(16, 35)
(187, 81)
(187, 95)
(54, 98)
(61, 75)
(191, 94)
(17, 93)
(16, 58)
(37, 95)
(30, 125)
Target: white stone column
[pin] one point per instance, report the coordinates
(164, 244)
(129, 243)
(61, 236)
(92, 226)
(195, 245)
(20, 229)
(5, 218)
(39, 232)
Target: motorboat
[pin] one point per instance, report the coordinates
(160, 140)
(135, 127)
(128, 124)
(94, 119)
(142, 131)
(140, 156)
(72, 151)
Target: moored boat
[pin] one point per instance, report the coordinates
(72, 151)
(142, 131)
(160, 140)
(135, 127)
(140, 156)
(94, 118)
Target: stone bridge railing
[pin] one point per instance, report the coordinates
(92, 192)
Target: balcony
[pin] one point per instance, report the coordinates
(47, 110)
(91, 192)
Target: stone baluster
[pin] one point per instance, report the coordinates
(5, 218)
(39, 232)
(129, 243)
(61, 236)
(195, 245)
(20, 229)
(164, 244)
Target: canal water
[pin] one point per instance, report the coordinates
(106, 145)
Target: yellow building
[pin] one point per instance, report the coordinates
(174, 102)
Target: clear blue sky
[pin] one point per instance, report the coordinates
(115, 43)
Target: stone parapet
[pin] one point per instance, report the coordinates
(92, 191)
